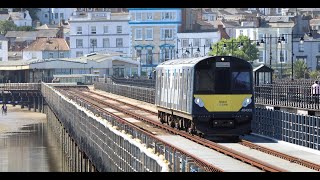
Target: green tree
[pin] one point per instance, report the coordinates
(314, 74)
(248, 51)
(25, 28)
(300, 69)
(7, 26)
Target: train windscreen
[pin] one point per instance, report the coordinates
(241, 81)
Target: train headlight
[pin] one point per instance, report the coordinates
(246, 102)
(199, 102)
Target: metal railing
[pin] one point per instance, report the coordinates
(293, 96)
(297, 129)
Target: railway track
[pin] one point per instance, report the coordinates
(243, 142)
(134, 112)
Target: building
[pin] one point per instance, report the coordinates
(308, 51)
(97, 31)
(99, 65)
(195, 44)
(18, 18)
(270, 30)
(54, 15)
(22, 18)
(21, 39)
(153, 35)
(47, 48)
(3, 48)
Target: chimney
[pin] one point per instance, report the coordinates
(223, 32)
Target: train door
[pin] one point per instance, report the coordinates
(162, 85)
(184, 90)
(188, 90)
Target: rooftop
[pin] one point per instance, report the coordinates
(45, 44)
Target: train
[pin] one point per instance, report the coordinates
(209, 96)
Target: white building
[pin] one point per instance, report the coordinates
(54, 15)
(3, 48)
(98, 31)
(196, 44)
(20, 18)
(153, 35)
(270, 32)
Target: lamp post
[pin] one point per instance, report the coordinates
(281, 56)
(177, 51)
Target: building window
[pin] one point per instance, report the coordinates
(208, 42)
(138, 53)
(61, 54)
(279, 10)
(166, 54)
(79, 30)
(196, 42)
(45, 15)
(119, 29)
(79, 43)
(138, 34)
(302, 58)
(149, 33)
(149, 16)
(318, 63)
(319, 47)
(56, 15)
(119, 42)
(241, 32)
(132, 16)
(106, 42)
(261, 56)
(50, 55)
(167, 15)
(282, 57)
(93, 42)
(301, 47)
(61, 16)
(105, 29)
(261, 37)
(138, 16)
(149, 56)
(0, 58)
(79, 53)
(93, 30)
(166, 33)
(185, 42)
(0, 45)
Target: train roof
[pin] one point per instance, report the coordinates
(193, 61)
(184, 61)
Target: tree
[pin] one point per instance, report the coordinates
(314, 74)
(7, 26)
(248, 51)
(25, 28)
(300, 69)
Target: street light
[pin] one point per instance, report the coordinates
(281, 55)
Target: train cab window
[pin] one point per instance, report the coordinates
(204, 81)
(241, 81)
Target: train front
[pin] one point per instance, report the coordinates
(223, 101)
